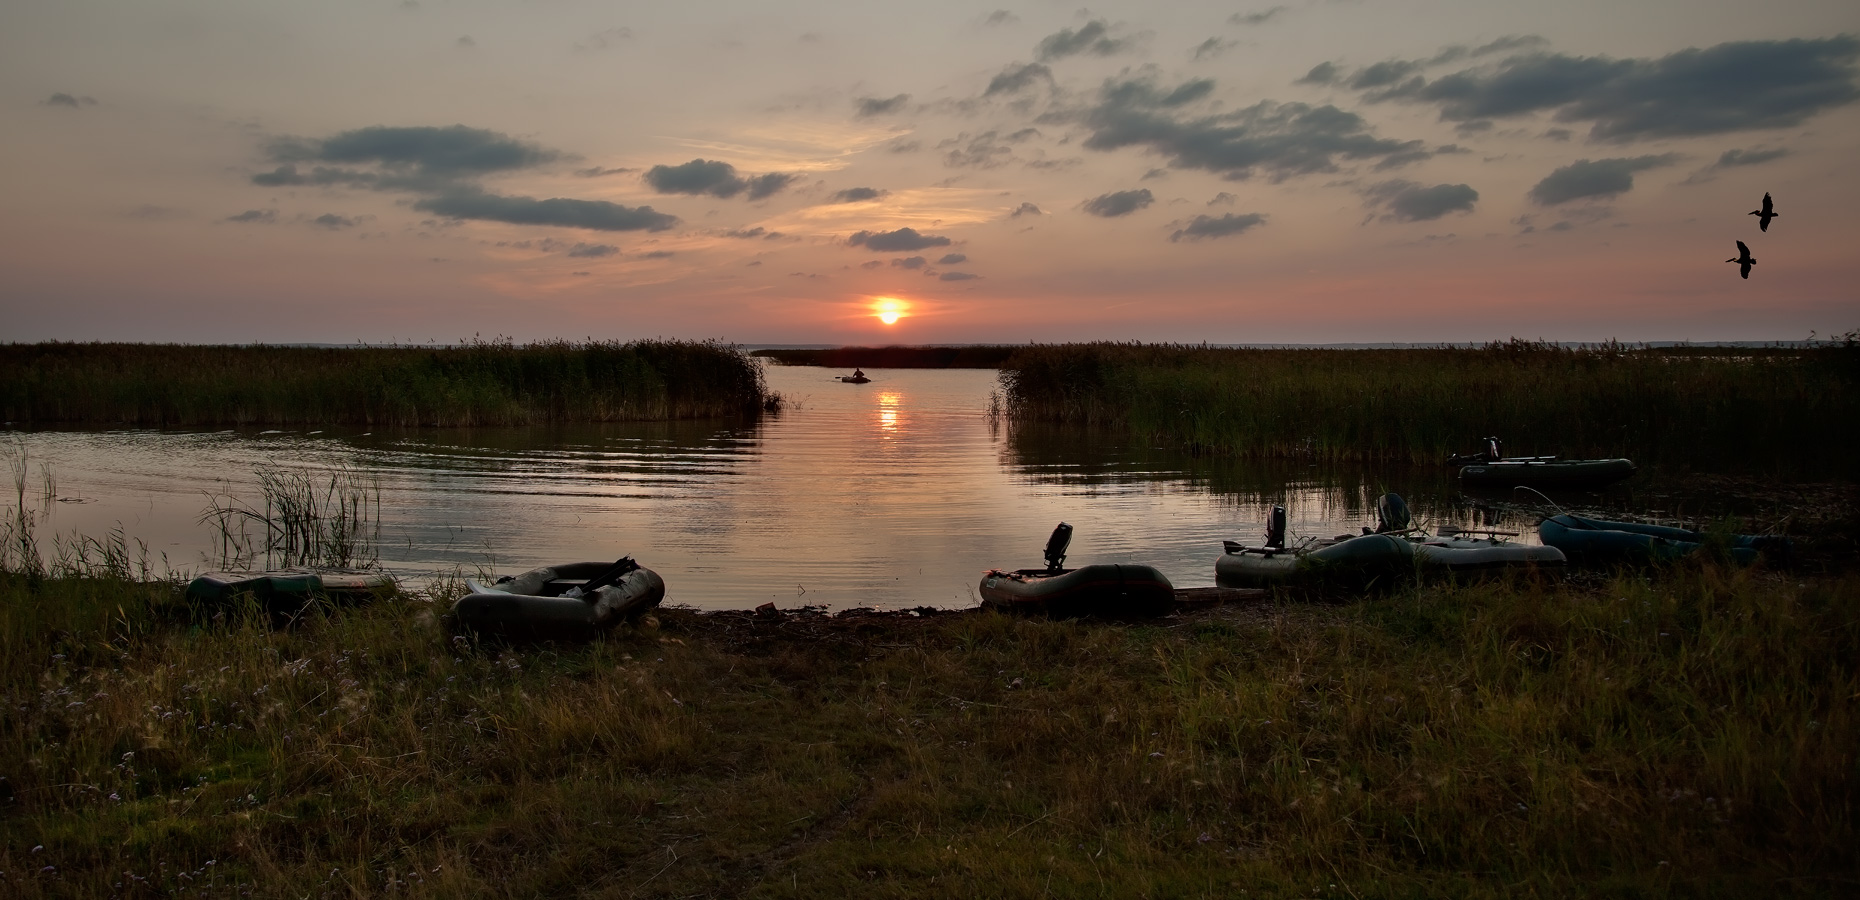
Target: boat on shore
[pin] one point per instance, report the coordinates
(1110, 590)
(1394, 550)
(571, 601)
(286, 592)
(1598, 542)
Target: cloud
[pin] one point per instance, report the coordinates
(1383, 73)
(1001, 17)
(1213, 47)
(1256, 18)
(1223, 198)
(1284, 139)
(874, 106)
(1025, 209)
(466, 41)
(1737, 86)
(856, 195)
(1749, 157)
(599, 172)
(1594, 178)
(659, 254)
(983, 151)
(957, 276)
(1093, 37)
(452, 151)
(756, 232)
(1214, 227)
(1119, 203)
(1322, 73)
(914, 262)
(596, 215)
(1017, 78)
(602, 40)
(333, 222)
(592, 251)
(64, 99)
(903, 240)
(717, 179)
(1410, 202)
(261, 216)
(950, 259)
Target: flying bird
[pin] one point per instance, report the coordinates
(1765, 214)
(1743, 259)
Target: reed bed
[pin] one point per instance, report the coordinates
(1772, 411)
(483, 383)
(1691, 734)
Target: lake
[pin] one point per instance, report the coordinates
(893, 494)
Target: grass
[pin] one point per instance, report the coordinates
(1775, 412)
(1691, 734)
(894, 357)
(482, 383)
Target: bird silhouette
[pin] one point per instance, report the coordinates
(1765, 214)
(1743, 259)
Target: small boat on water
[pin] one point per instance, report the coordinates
(1597, 542)
(1488, 468)
(1394, 550)
(857, 377)
(572, 601)
(285, 592)
(1112, 590)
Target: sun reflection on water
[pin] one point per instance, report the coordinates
(889, 419)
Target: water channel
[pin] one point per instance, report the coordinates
(893, 494)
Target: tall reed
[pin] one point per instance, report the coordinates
(330, 517)
(1768, 410)
(479, 383)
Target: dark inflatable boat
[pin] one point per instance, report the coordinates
(1111, 590)
(572, 601)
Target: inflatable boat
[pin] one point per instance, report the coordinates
(1490, 468)
(1112, 590)
(1597, 542)
(285, 592)
(572, 601)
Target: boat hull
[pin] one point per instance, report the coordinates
(1572, 473)
(1107, 590)
(1369, 559)
(532, 605)
(286, 592)
(1596, 542)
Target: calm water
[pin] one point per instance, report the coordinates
(896, 493)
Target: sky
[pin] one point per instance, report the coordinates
(817, 171)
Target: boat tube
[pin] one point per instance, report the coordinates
(572, 601)
(1548, 472)
(1596, 542)
(286, 592)
(1112, 590)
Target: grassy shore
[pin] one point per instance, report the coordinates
(1774, 412)
(1692, 734)
(482, 383)
(978, 357)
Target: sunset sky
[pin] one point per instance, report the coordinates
(1304, 171)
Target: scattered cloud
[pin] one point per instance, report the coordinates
(1094, 37)
(64, 99)
(1322, 73)
(260, 216)
(957, 276)
(756, 232)
(592, 251)
(1119, 203)
(716, 179)
(1256, 18)
(1594, 178)
(1217, 226)
(1212, 48)
(1283, 139)
(600, 172)
(1025, 209)
(659, 254)
(856, 195)
(1734, 158)
(466, 41)
(950, 259)
(1001, 17)
(448, 152)
(1017, 78)
(333, 222)
(1730, 87)
(596, 215)
(903, 240)
(1223, 199)
(603, 40)
(1407, 201)
(914, 262)
(874, 106)
(983, 151)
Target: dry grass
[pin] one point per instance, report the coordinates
(1688, 735)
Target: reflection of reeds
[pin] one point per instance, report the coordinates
(1774, 410)
(480, 383)
(311, 518)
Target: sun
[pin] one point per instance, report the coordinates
(890, 309)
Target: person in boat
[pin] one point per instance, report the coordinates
(858, 372)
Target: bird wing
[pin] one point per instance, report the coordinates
(1766, 204)
(1742, 250)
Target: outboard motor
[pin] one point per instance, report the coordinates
(1275, 529)
(1392, 514)
(1056, 547)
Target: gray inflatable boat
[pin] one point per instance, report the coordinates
(571, 601)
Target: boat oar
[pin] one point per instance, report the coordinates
(613, 573)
